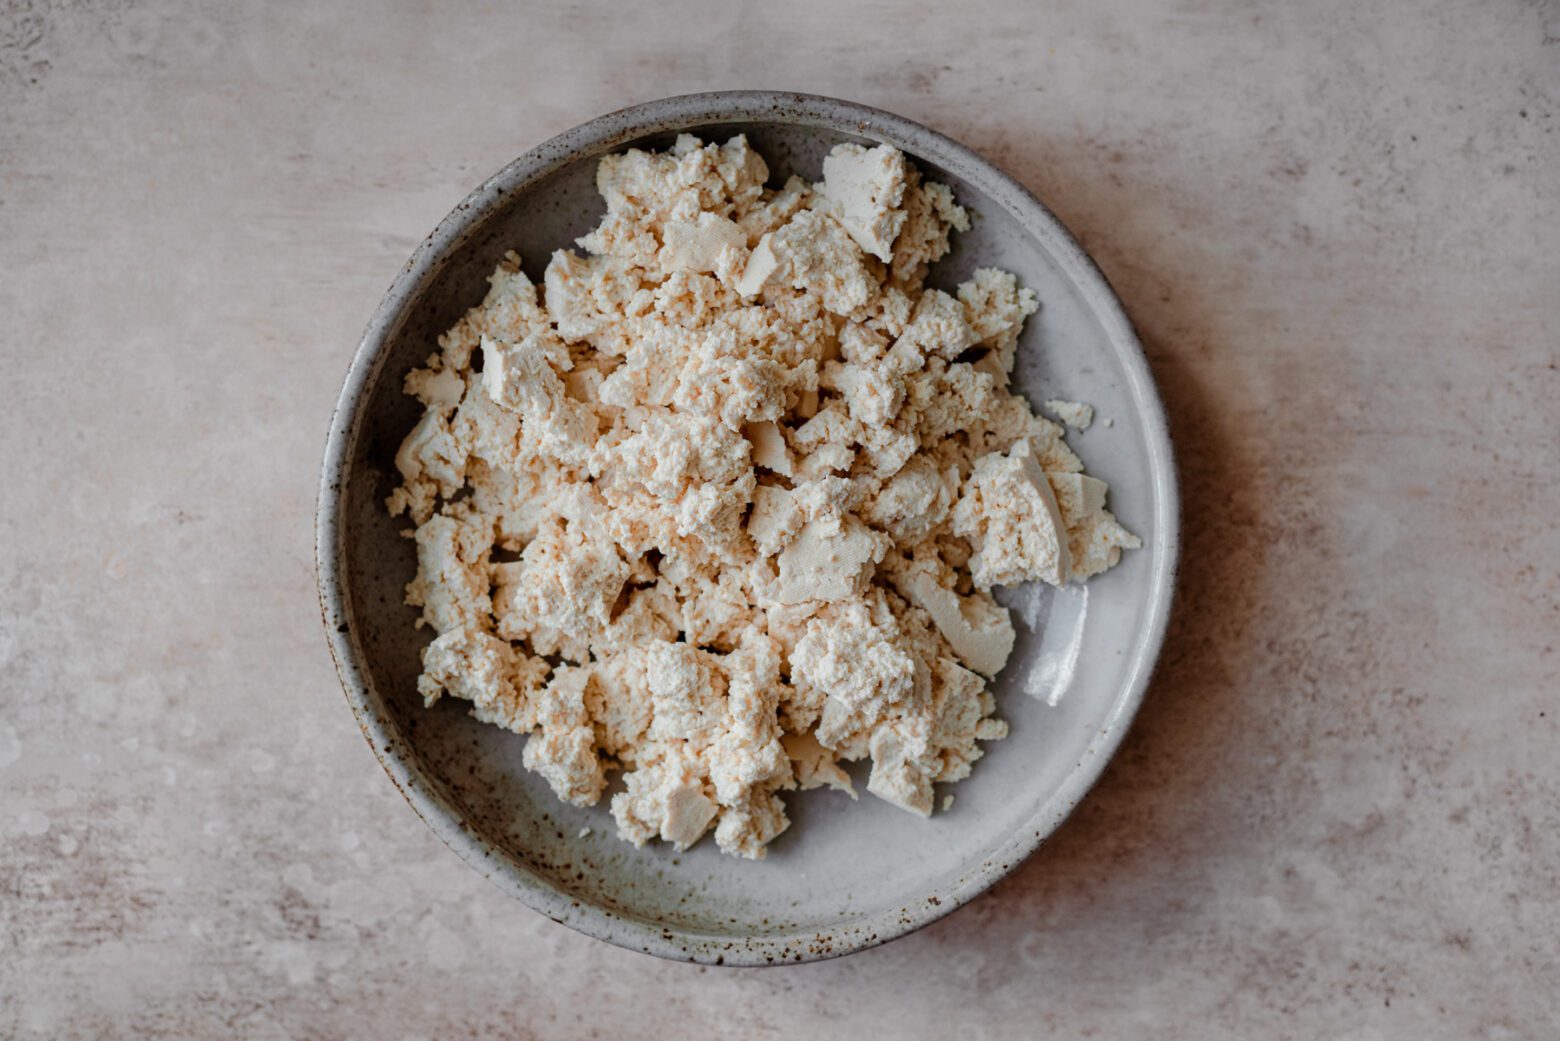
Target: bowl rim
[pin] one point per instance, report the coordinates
(604, 133)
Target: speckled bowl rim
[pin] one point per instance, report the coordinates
(671, 115)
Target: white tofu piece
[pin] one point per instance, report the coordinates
(827, 567)
(865, 188)
(1074, 413)
(696, 245)
(1009, 514)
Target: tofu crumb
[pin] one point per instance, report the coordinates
(720, 508)
(1074, 413)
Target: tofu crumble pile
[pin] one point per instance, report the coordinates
(720, 504)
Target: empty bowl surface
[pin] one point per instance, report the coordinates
(845, 875)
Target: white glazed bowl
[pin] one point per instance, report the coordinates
(846, 875)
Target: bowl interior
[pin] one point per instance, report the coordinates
(842, 865)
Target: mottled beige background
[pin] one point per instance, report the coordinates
(1336, 226)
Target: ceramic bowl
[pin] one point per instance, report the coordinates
(846, 875)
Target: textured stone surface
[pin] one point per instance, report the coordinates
(1339, 814)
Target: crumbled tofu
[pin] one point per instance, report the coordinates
(697, 244)
(451, 584)
(687, 694)
(1074, 413)
(523, 377)
(775, 520)
(857, 665)
(563, 748)
(1009, 515)
(666, 796)
(865, 188)
(1094, 538)
(718, 505)
(812, 252)
(915, 502)
(898, 775)
(567, 583)
(937, 326)
(975, 626)
(769, 450)
(497, 679)
(815, 766)
(823, 565)
(996, 308)
(761, 266)
(431, 463)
